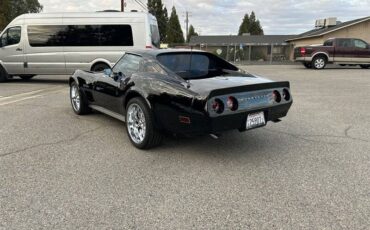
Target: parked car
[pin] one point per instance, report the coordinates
(342, 51)
(60, 43)
(179, 91)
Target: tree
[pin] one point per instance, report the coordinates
(4, 10)
(174, 31)
(244, 27)
(250, 25)
(157, 8)
(191, 33)
(10, 9)
(255, 26)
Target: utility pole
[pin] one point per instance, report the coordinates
(122, 5)
(187, 24)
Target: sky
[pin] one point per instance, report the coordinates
(223, 17)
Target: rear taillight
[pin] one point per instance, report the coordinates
(149, 47)
(232, 103)
(276, 96)
(218, 106)
(303, 51)
(286, 94)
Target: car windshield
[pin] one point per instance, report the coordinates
(190, 65)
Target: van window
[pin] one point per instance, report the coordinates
(11, 36)
(155, 35)
(80, 35)
(39, 36)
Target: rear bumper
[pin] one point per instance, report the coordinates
(200, 124)
(303, 59)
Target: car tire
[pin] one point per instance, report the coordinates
(319, 62)
(78, 100)
(140, 125)
(26, 77)
(307, 65)
(100, 67)
(3, 74)
(365, 66)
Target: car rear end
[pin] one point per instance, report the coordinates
(303, 54)
(238, 108)
(248, 107)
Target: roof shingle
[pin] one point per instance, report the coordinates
(321, 31)
(247, 39)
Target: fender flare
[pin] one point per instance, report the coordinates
(132, 92)
(321, 53)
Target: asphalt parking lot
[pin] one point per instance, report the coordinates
(310, 171)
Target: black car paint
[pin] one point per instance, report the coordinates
(171, 97)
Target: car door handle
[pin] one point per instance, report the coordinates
(18, 49)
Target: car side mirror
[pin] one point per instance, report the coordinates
(118, 76)
(107, 72)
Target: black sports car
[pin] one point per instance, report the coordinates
(178, 91)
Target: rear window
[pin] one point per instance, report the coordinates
(186, 65)
(155, 35)
(80, 35)
(190, 65)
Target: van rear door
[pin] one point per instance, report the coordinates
(154, 37)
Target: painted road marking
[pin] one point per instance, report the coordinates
(22, 99)
(21, 94)
(30, 95)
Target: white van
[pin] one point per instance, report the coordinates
(60, 43)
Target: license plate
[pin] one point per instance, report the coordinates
(255, 120)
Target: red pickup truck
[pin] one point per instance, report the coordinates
(342, 51)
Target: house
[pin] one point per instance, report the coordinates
(245, 47)
(331, 28)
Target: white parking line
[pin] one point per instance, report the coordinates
(22, 99)
(29, 95)
(21, 94)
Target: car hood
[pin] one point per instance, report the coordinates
(204, 86)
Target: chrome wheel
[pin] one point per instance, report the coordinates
(319, 63)
(75, 97)
(136, 123)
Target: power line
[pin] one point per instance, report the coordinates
(140, 3)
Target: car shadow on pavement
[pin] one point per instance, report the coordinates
(230, 144)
